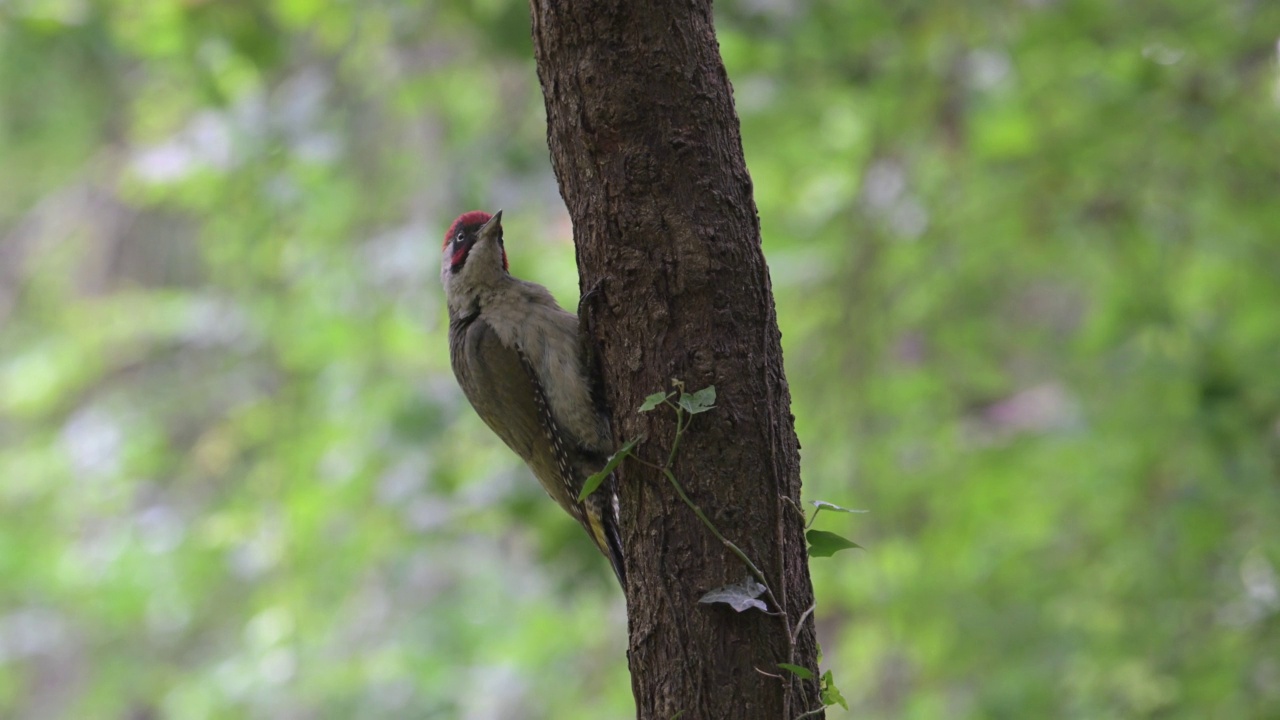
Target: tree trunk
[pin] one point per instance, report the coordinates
(645, 144)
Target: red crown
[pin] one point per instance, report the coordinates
(475, 217)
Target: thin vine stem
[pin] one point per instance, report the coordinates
(682, 423)
(681, 426)
(683, 420)
(715, 531)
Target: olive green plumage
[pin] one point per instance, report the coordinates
(517, 356)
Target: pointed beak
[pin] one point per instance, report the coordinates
(495, 223)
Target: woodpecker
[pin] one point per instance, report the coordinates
(519, 359)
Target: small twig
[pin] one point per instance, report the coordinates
(795, 636)
(767, 674)
(811, 712)
(796, 506)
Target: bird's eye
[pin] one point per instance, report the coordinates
(459, 237)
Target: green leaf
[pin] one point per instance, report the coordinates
(801, 672)
(616, 459)
(654, 401)
(826, 544)
(740, 596)
(829, 693)
(824, 505)
(699, 402)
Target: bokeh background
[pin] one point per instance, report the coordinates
(1026, 257)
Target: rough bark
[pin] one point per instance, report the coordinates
(645, 143)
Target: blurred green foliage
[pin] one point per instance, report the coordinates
(1027, 265)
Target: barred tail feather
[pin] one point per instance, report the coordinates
(602, 519)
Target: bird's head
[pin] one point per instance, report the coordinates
(473, 256)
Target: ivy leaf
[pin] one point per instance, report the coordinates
(801, 672)
(654, 401)
(740, 596)
(824, 505)
(615, 460)
(826, 544)
(829, 693)
(699, 402)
